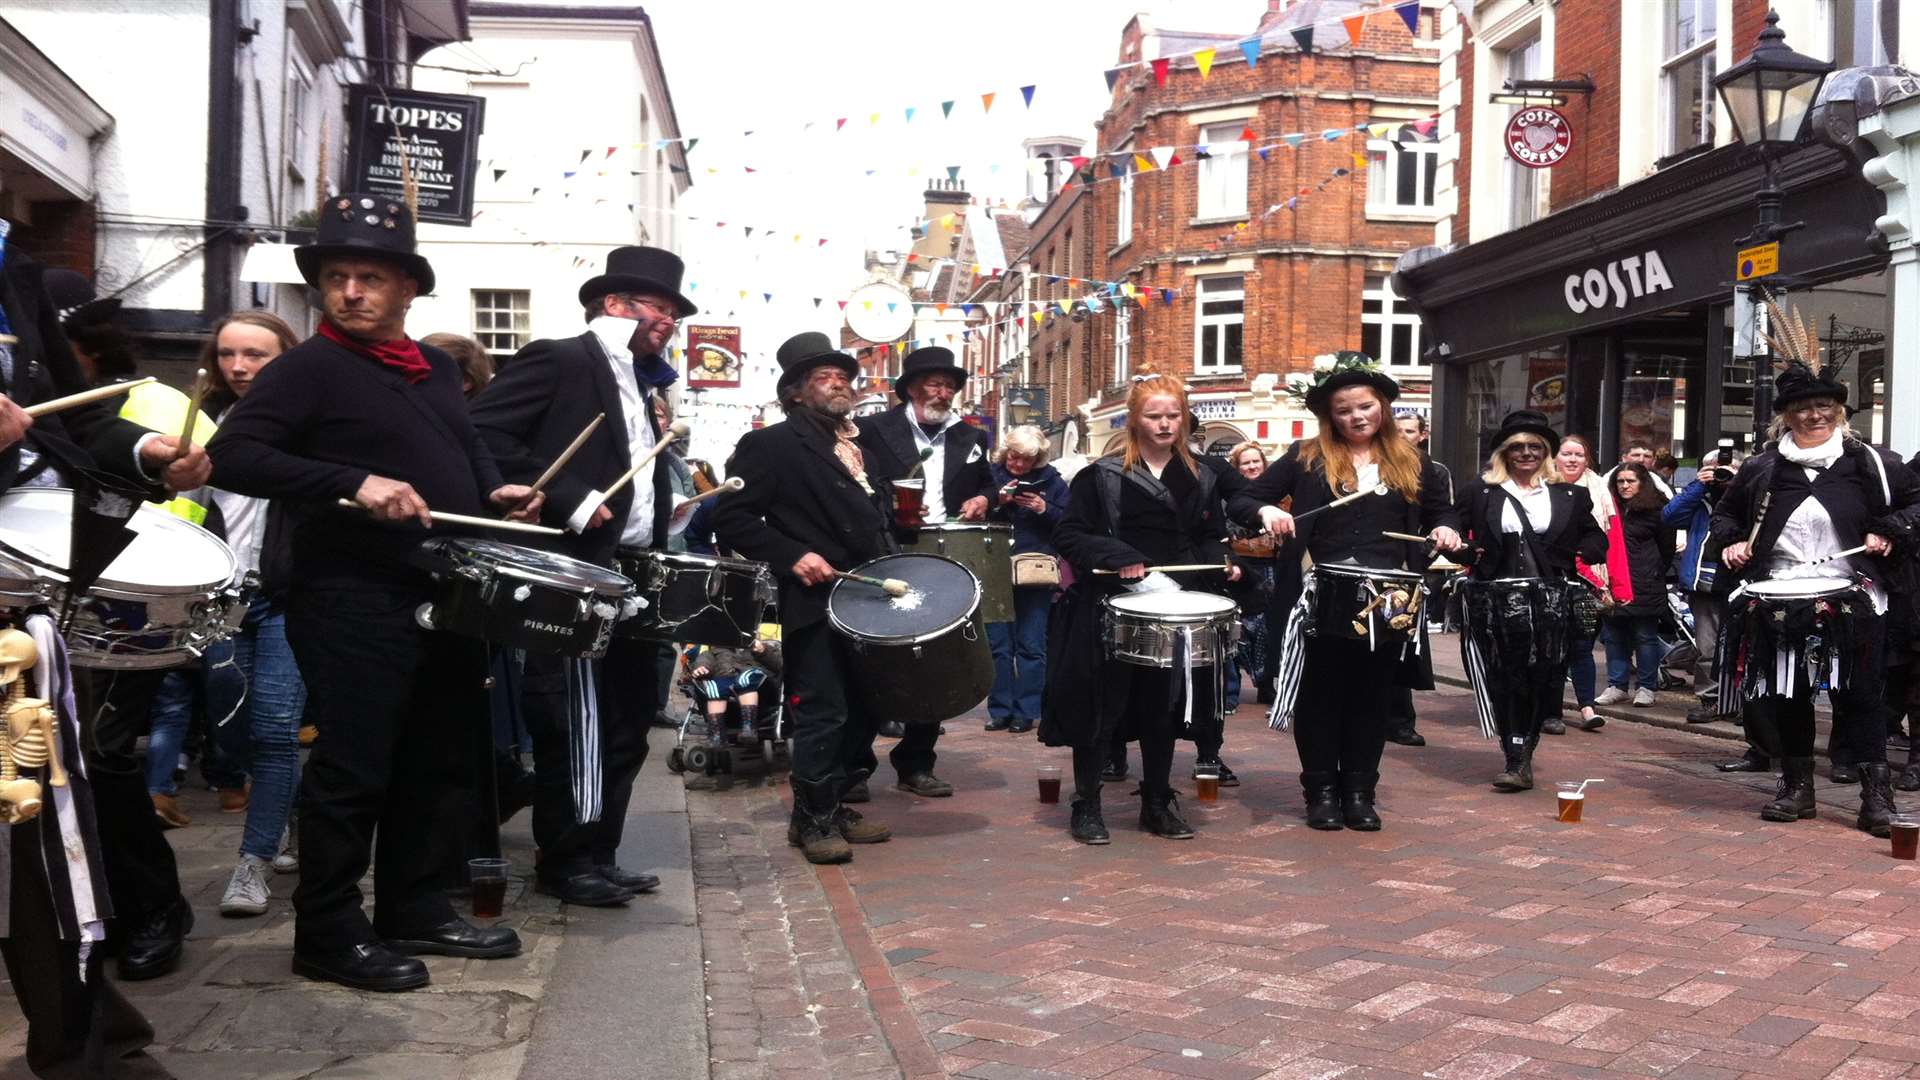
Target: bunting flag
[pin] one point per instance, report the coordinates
(909, 114)
(1409, 13)
(953, 172)
(1250, 49)
(1162, 155)
(1356, 25)
(1204, 61)
(1113, 76)
(986, 103)
(946, 110)
(584, 155)
(1247, 136)
(1140, 164)
(840, 123)
(1303, 37)
(1027, 93)
(1160, 66)
(497, 174)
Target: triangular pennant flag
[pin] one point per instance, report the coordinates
(585, 154)
(1409, 13)
(1379, 131)
(1027, 92)
(1333, 133)
(909, 114)
(1356, 25)
(843, 305)
(611, 149)
(873, 119)
(1293, 202)
(816, 301)
(1162, 155)
(1160, 71)
(1263, 153)
(1250, 49)
(986, 103)
(941, 308)
(769, 296)
(1303, 37)
(946, 109)
(840, 123)
(966, 309)
(1359, 160)
(743, 294)
(1247, 135)
(536, 191)
(1204, 60)
(497, 174)
(1293, 140)
(1039, 317)
(1175, 160)
(1113, 76)
(749, 229)
(868, 304)
(1166, 296)
(953, 172)
(822, 243)
(1118, 170)
(691, 143)
(569, 174)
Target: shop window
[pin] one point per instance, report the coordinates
(1520, 60)
(501, 320)
(1389, 331)
(1217, 326)
(1864, 31)
(1400, 178)
(1539, 379)
(1223, 172)
(1686, 75)
(1123, 207)
(1122, 342)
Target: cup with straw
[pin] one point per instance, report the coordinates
(1573, 798)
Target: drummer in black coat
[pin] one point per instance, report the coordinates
(1337, 691)
(924, 436)
(1150, 503)
(808, 510)
(1519, 525)
(362, 412)
(529, 414)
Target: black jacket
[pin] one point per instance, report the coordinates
(1866, 490)
(891, 451)
(536, 406)
(1571, 531)
(798, 498)
(1352, 532)
(1649, 554)
(318, 421)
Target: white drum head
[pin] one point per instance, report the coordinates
(170, 553)
(1787, 588)
(1177, 603)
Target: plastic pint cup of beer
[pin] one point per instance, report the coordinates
(1906, 836)
(1049, 777)
(909, 503)
(1573, 800)
(1206, 783)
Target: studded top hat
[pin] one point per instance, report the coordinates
(640, 269)
(362, 226)
(74, 298)
(923, 362)
(803, 352)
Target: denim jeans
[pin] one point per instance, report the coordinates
(1580, 670)
(276, 699)
(1633, 646)
(1020, 657)
(214, 686)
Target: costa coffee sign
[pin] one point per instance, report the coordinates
(1538, 137)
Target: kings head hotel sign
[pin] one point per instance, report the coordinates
(435, 136)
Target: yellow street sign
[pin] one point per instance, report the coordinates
(1757, 261)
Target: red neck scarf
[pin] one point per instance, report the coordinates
(402, 355)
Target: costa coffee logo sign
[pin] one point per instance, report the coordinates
(1616, 283)
(1539, 137)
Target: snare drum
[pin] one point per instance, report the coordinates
(1360, 603)
(695, 599)
(1796, 629)
(171, 593)
(533, 600)
(1156, 629)
(984, 548)
(919, 658)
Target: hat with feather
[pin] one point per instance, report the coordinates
(1345, 368)
(1802, 375)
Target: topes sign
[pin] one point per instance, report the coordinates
(436, 136)
(1538, 137)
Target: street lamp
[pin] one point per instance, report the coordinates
(1019, 406)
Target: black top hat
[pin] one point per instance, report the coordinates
(640, 269)
(361, 226)
(1800, 382)
(1527, 422)
(74, 298)
(923, 362)
(802, 353)
(1350, 368)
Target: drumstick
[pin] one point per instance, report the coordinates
(677, 431)
(1342, 501)
(1409, 537)
(477, 522)
(1179, 569)
(1824, 559)
(84, 397)
(733, 483)
(193, 413)
(892, 586)
(573, 448)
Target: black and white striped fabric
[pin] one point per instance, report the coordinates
(1476, 666)
(1293, 659)
(583, 738)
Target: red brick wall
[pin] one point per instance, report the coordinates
(1749, 18)
(61, 235)
(1463, 127)
(1587, 42)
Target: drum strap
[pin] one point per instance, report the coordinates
(583, 738)
(1293, 659)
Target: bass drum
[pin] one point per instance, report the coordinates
(986, 549)
(919, 658)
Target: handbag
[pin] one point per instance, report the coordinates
(1035, 568)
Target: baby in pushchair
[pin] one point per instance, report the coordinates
(719, 678)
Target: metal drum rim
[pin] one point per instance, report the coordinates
(1349, 570)
(606, 579)
(119, 587)
(973, 609)
(688, 557)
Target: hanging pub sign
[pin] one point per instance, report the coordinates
(1538, 137)
(713, 356)
(436, 136)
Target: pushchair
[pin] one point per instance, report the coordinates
(1677, 664)
(697, 749)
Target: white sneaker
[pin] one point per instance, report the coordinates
(288, 860)
(247, 889)
(1642, 698)
(1612, 695)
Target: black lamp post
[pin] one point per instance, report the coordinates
(1770, 97)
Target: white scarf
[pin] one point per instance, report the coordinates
(1813, 457)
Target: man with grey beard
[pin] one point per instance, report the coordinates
(808, 511)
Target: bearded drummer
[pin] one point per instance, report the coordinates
(360, 411)
(1818, 492)
(1150, 502)
(1338, 691)
(924, 437)
(810, 510)
(529, 414)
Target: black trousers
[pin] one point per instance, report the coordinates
(628, 677)
(831, 729)
(1859, 735)
(1152, 716)
(115, 710)
(1400, 715)
(391, 776)
(913, 753)
(1346, 696)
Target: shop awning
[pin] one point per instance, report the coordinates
(47, 122)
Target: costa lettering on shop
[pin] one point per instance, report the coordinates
(1617, 282)
(1539, 137)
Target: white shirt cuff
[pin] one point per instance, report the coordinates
(582, 515)
(140, 444)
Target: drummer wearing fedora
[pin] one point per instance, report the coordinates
(809, 510)
(529, 414)
(362, 412)
(924, 436)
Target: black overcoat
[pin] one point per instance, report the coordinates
(1570, 531)
(891, 452)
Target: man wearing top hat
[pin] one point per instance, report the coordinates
(529, 414)
(925, 427)
(362, 412)
(807, 511)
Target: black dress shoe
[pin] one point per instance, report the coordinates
(587, 890)
(1844, 773)
(372, 966)
(1114, 769)
(457, 937)
(1406, 737)
(999, 723)
(926, 785)
(1020, 727)
(154, 947)
(631, 880)
(1752, 762)
(893, 729)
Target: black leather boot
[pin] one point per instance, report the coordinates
(1356, 800)
(1088, 826)
(1159, 816)
(1794, 800)
(1876, 799)
(1909, 778)
(1323, 801)
(1518, 774)
(812, 828)
(749, 731)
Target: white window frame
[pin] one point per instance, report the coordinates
(1674, 59)
(1393, 312)
(299, 104)
(1222, 176)
(1864, 12)
(1123, 209)
(1209, 290)
(1385, 161)
(490, 307)
(1122, 341)
(1520, 185)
